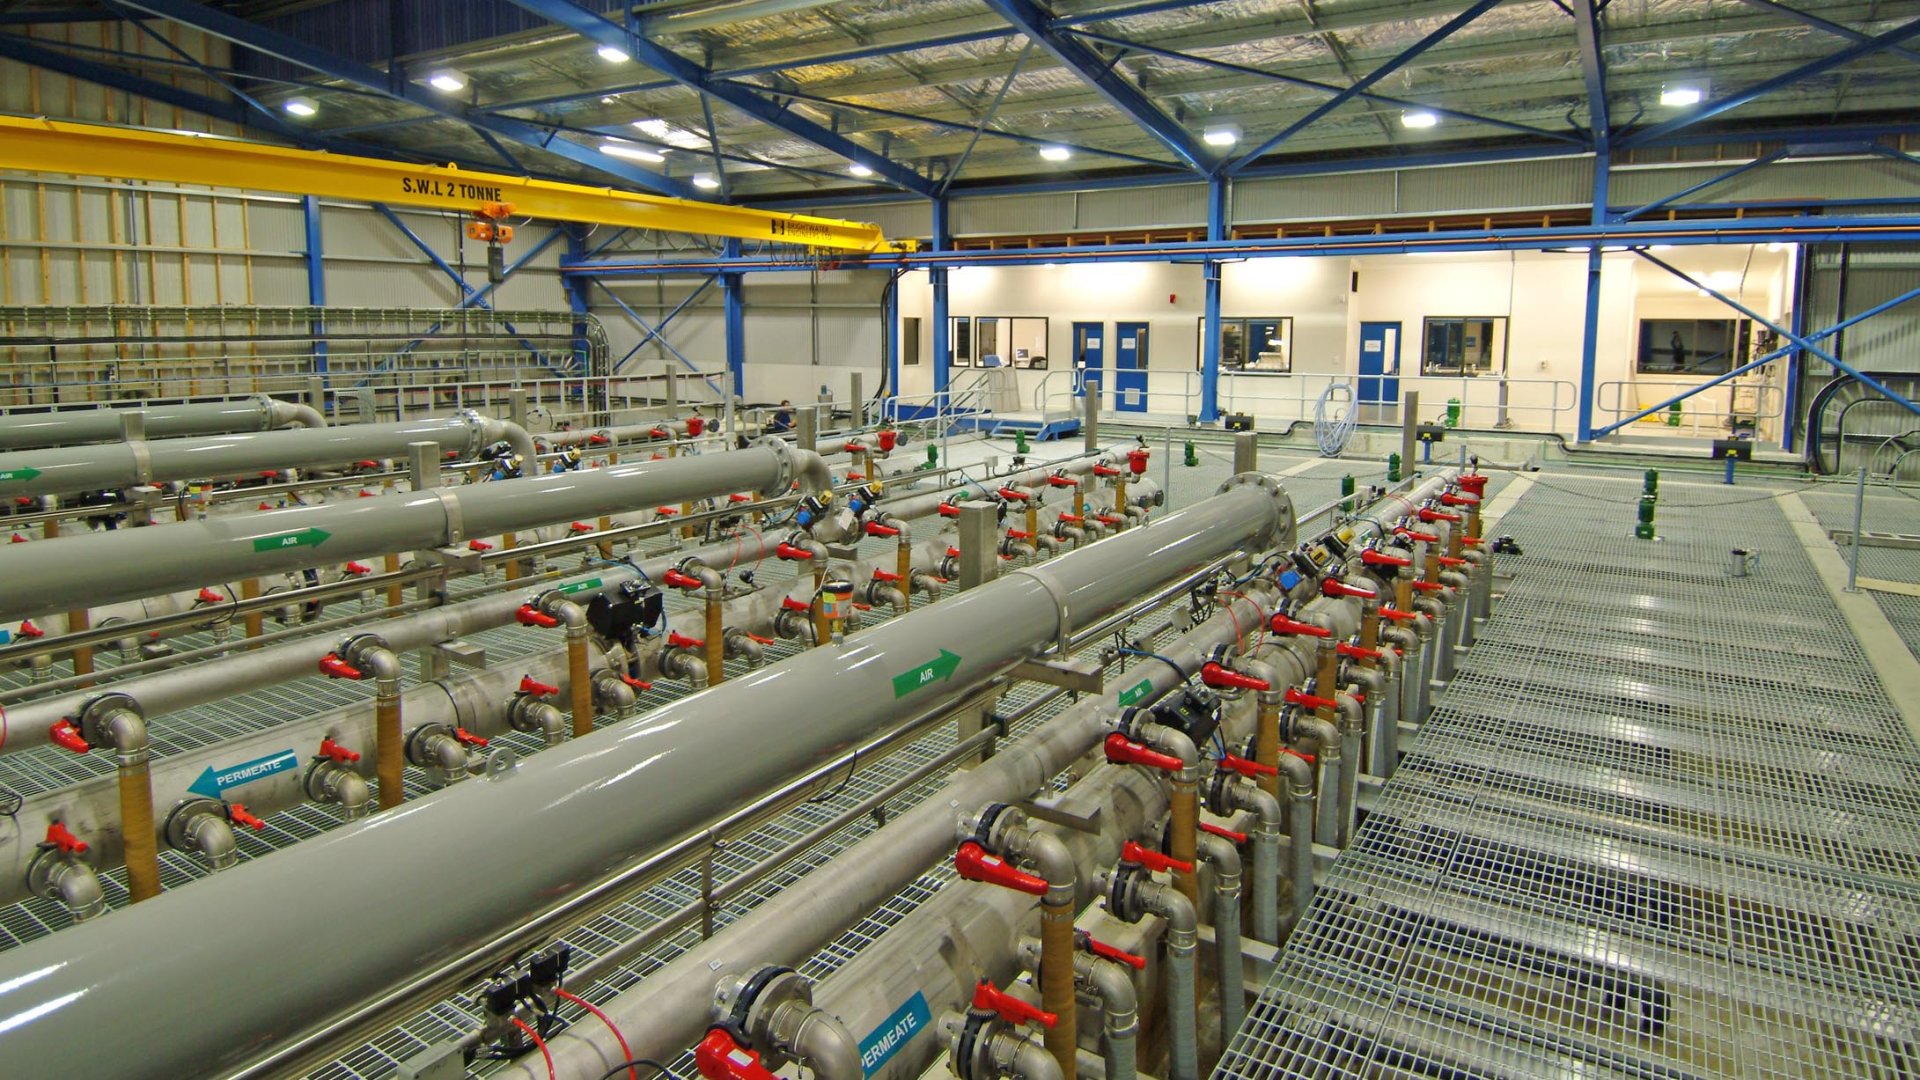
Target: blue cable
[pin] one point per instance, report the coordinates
(1177, 670)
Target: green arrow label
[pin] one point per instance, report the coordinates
(1134, 695)
(298, 538)
(18, 474)
(581, 586)
(940, 669)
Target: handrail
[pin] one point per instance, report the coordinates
(1823, 398)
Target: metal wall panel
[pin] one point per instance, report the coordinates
(1304, 198)
(1550, 182)
(1000, 216)
(1174, 205)
(1872, 178)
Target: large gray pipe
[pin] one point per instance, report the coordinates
(105, 567)
(66, 469)
(460, 866)
(71, 426)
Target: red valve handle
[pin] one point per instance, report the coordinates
(270, 474)
(1217, 676)
(1063, 481)
(791, 553)
(479, 545)
(1358, 653)
(597, 439)
(953, 552)
(1239, 838)
(637, 684)
(1019, 534)
(16, 538)
(1430, 515)
(1014, 496)
(657, 457)
(949, 510)
(59, 836)
(28, 630)
(335, 668)
(65, 734)
(533, 687)
(1449, 560)
(208, 596)
(679, 640)
(1450, 499)
(884, 575)
(237, 813)
(666, 511)
(738, 497)
(874, 528)
(1124, 751)
(1396, 615)
(1072, 519)
(679, 580)
(1305, 700)
(657, 433)
(528, 615)
(1380, 558)
(365, 494)
(856, 476)
(795, 605)
(1280, 624)
(358, 569)
(1308, 758)
(1409, 534)
(855, 446)
(467, 738)
(1106, 519)
(1336, 587)
(579, 527)
(333, 751)
(976, 863)
(1151, 859)
(1472, 541)
(1247, 767)
(757, 638)
(720, 1057)
(449, 455)
(366, 463)
(1428, 586)
(1105, 470)
(1112, 952)
(1011, 1009)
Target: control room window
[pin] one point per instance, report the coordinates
(960, 340)
(1464, 345)
(1015, 342)
(1692, 346)
(1251, 346)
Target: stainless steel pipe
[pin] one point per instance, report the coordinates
(65, 427)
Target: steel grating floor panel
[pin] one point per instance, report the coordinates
(1664, 823)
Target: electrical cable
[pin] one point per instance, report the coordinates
(625, 1052)
(1177, 669)
(659, 1069)
(538, 1042)
(1332, 435)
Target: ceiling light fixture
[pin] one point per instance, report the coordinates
(1419, 118)
(1679, 96)
(300, 106)
(860, 170)
(1221, 135)
(653, 127)
(635, 153)
(1055, 153)
(705, 181)
(448, 81)
(613, 55)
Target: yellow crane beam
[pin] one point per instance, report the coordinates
(58, 146)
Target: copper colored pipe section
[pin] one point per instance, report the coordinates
(1056, 984)
(716, 642)
(903, 565)
(396, 594)
(606, 546)
(1266, 747)
(509, 542)
(136, 826)
(1370, 625)
(79, 622)
(822, 628)
(1120, 501)
(1033, 524)
(1181, 840)
(390, 753)
(579, 679)
(250, 590)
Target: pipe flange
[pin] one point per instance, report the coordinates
(354, 649)
(1123, 900)
(178, 828)
(967, 1055)
(783, 457)
(1286, 533)
(983, 826)
(476, 432)
(95, 712)
(747, 1008)
(417, 739)
(1215, 792)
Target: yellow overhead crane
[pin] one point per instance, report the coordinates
(57, 146)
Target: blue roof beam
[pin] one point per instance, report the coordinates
(681, 70)
(1413, 52)
(1098, 72)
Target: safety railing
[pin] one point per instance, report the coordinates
(1705, 415)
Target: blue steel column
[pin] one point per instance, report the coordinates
(1799, 327)
(733, 288)
(576, 289)
(1593, 70)
(316, 280)
(937, 277)
(1210, 335)
(889, 407)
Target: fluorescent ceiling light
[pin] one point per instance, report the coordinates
(655, 127)
(1675, 95)
(613, 55)
(1055, 153)
(1221, 135)
(300, 106)
(447, 80)
(858, 169)
(1419, 118)
(705, 181)
(610, 99)
(635, 153)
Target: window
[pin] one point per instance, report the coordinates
(1251, 346)
(910, 341)
(960, 340)
(1692, 346)
(1017, 342)
(1465, 345)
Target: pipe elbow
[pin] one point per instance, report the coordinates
(740, 643)
(1222, 855)
(78, 889)
(1049, 855)
(1251, 797)
(126, 730)
(1175, 742)
(1172, 905)
(292, 414)
(1028, 1060)
(1324, 736)
(826, 1047)
(352, 793)
(1112, 984)
(811, 471)
(212, 838)
(515, 436)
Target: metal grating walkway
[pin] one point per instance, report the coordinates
(1664, 823)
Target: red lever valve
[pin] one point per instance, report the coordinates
(738, 497)
(790, 604)
(479, 545)
(528, 615)
(65, 734)
(1112, 952)
(208, 596)
(28, 630)
(976, 863)
(1349, 649)
(335, 668)
(1153, 860)
(791, 553)
(1105, 470)
(336, 753)
(1336, 587)
(1010, 1008)
(1449, 560)
(1280, 624)
(1063, 481)
(1220, 677)
(61, 838)
(679, 580)
(1309, 701)
(1124, 751)
(237, 813)
(467, 738)
(679, 640)
(1428, 586)
(884, 575)
(533, 687)
(358, 569)
(1409, 534)
(720, 1057)
(874, 528)
(1373, 557)
(1239, 839)
(1247, 767)
(1430, 515)
(1014, 496)
(949, 510)
(1396, 615)
(1450, 499)
(1072, 519)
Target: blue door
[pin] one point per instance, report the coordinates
(1089, 357)
(1379, 363)
(1130, 367)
